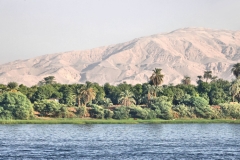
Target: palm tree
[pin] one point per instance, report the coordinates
(87, 94)
(207, 75)
(236, 70)
(157, 77)
(152, 91)
(186, 80)
(107, 102)
(126, 98)
(235, 88)
(199, 79)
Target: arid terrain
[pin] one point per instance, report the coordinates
(188, 51)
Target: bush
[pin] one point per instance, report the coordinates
(138, 112)
(50, 108)
(121, 113)
(230, 110)
(80, 111)
(182, 110)
(108, 114)
(15, 105)
(96, 111)
(162, 108)
(201, 107)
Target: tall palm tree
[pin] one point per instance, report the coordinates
(87, 94)
(157, 77)
(126, 98)
(186, 80)
(235, 88)
(236, 70)
(199, 79)
(207, 75)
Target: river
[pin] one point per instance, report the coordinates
(120, 141)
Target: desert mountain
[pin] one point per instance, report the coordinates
(188, 51)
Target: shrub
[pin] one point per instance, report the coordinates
(182, 110)
(230, 110)
(108, 113)
(121, 113)
(162, 108)
(50, 108)
(96, 111)
(15, 105)
(138, 112)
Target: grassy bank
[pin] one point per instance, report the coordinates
(112, 121)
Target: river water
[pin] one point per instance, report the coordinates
(120, 141)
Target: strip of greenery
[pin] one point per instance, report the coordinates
(112, 121)
(143, 102)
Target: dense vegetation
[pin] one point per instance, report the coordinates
(211, 98)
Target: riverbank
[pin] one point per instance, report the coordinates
(113, 121)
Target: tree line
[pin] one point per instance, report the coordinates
(212, 97)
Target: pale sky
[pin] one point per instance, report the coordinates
(30, 28)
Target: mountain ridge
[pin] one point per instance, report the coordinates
(187, 51)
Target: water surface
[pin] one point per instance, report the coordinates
(120, 141)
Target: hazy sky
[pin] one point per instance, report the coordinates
(30, 28)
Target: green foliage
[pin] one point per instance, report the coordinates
(96, 111)
(121, 113)
(162, 108)
(46, 92)
(15, 105)
(201, 107)
(12, 86)
(50, 108)
(80, 111)
(47, 80)
(236, 70)
(230, 110)
(108, 114)
(183, 111)
(138, 112)
(217, 96)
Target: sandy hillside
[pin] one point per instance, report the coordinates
(188, 51)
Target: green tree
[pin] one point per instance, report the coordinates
(201, 107)
(107, 102)
(12, 86)
(157, 77)
(50, 108)
(47, 80)
(3, 88)
(86, 95)
(207, 75)
(199, 79)
(162, 107)
(236, 70)
(15, 105)
(138, 93)
(126, 98)
(235, 88)
(186, 80)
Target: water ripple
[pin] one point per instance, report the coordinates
(139, 141)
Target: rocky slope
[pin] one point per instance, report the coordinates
(188, 51)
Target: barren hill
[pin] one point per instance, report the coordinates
(188, 51)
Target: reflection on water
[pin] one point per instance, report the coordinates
(117, 141)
